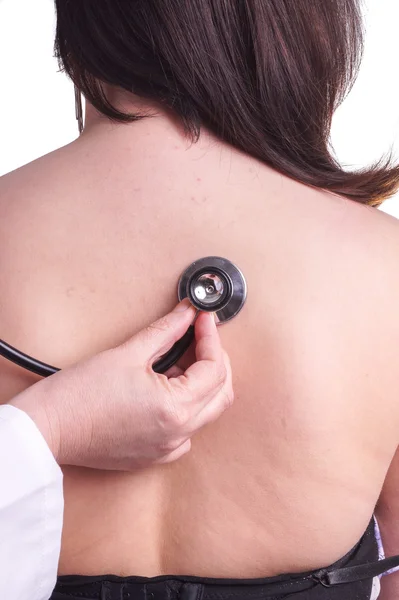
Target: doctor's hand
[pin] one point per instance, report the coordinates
(113, 412)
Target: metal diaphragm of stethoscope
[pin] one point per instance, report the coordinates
(212, 284)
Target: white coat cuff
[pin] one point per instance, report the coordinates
(31, 509)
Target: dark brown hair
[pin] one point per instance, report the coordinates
(263, 75)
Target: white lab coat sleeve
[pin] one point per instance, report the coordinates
(31, 509)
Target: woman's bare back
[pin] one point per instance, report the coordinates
(93, 239)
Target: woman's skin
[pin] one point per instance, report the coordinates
(112, 412)
(93, 239)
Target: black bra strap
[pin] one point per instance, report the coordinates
(356, 573)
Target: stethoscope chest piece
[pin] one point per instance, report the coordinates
(214, 284)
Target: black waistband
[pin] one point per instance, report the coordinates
(356, 569)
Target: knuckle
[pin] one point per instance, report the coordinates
(229, 398)
(159, 326)
(226, 398)
(226, 360)
(182, 447)
(221, 373)
(175, 416)
(169, 445)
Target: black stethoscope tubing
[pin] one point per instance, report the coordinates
(44, 370)
(212, 284)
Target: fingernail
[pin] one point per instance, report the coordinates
(183, 305)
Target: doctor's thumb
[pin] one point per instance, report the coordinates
(158, 338)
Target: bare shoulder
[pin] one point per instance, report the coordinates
(369, 236)
(346, 297)
(37, 222)
(27, 203)
(377, 238)
(366, 241)
(28, 183)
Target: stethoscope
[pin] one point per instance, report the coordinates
(212, 284)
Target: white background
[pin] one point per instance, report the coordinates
(37, 103)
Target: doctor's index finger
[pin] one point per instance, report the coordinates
(208, 346)
(209, 372)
